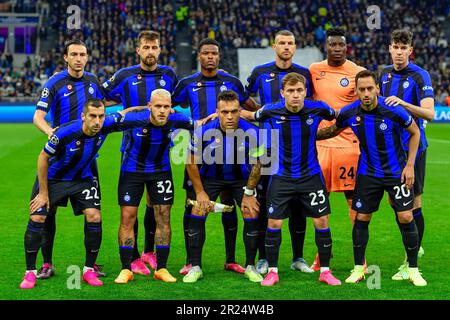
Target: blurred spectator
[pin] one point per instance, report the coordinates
(110, 28)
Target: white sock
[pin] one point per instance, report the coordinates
(273, 269)
(323, 269)
(86, 269)
(34, 271)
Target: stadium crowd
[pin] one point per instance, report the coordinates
(111, 26)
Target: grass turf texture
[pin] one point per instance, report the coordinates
(21, 144)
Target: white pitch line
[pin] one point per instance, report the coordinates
(439, 140)
(438, 162)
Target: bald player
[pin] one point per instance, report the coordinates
(334, 83)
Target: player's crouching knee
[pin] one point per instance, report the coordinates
(405, 216)
(93, 215)
(38, 218)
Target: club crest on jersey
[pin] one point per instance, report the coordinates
(322, 73)
(45, 93)
(199, 84)
(78, 142)
(223, 88)
(69, 87)
(127, 197)
(283, 118)
(112, 78)
(91, 90)
(162, 82)
(271, 209)
(217, 140)
(139, 77)
(344, 82)
(144, 130)
(309, 121)
(383, 126)
(272, 75)
(358, 203)
(405, 84)
(358, 119)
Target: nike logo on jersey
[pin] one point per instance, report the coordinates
(347, 184)
(72, 150)
(406, 203)
(355, 124)
(271, 79)
(327, 245)
(96, 203)
(322, 209)
(278, 122)
(68, 94)
(165, 199)
(384, 82)
(140, 135)
(135, 83)
(195, 89)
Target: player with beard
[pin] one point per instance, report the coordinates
(133, 86)
(266, 80)
(200, 91)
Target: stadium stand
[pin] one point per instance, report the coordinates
(112, 26)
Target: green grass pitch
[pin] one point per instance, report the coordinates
(21, 144)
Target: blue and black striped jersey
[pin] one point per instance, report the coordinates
(63, 96)
(380, 137)
(71, 151)
(297, 136)
(411, 84)
(201, 92)
(148, 149)
(134, 86)
(225, 155)
(266, 79)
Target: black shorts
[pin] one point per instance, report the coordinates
(309, 193)
(419, 173)
(159, 187)
(214, 188)
(370, 190)
(187, 183)
(83, 194)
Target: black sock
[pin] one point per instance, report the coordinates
(162, 253)
(262, 227)
(420, 223)
(32, 243)
(324, 246)
(410, 238)
(48, 236)
(136, 254)
(360, 239)
(297, 229)
(196, 236)
(251, 236)
(186, 220)
(273, 243)
(230, 225)
(126, 256)
(92, 242)
(150, 228)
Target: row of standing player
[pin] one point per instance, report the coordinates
(336, 71)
